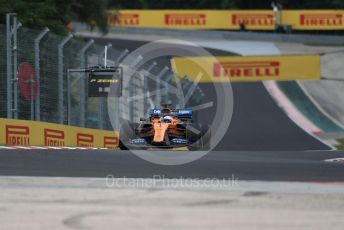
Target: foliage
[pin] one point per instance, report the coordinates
(55, 14)
(172, 4)
(340, 146)
(225, 4)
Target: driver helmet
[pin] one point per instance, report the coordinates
(167, 119)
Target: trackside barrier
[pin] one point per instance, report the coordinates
(314, 19)
(32, 133)
(228, 19)
(249, 68)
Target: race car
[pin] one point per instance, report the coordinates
(165, 128)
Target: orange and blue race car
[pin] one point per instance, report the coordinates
(165, 128)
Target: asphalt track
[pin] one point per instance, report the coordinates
(257, 122)
(271, 148)
(267, 166)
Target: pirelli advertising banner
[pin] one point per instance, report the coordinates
(33, 133)
(193, 19)
(249, 68)
(252, 20)
(175, 19)
(228, 19)
(314, 19)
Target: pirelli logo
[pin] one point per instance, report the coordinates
(17, 135)
(84, 140)
(246, 69)
(110, 142)
(253, 19)
(54, 137)
(321, 19)
(185, 19)
(124, 20)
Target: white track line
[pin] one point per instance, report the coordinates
(51, 147)
(6, 147)
(22, 147)
(337, 160)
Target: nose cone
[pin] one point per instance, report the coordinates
(159, 132)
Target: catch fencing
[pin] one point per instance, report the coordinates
(33, 75)
(34, 80)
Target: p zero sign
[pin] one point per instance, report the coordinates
(241, 69)
(100, 83)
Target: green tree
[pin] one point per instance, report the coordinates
(56, 14)
(91, 12)
(225, 4)
(172, 4)
(339, 4)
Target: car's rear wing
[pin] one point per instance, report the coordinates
(181, 113)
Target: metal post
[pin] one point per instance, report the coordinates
(16, 26)
(151, 67)
(137, 61)
(145, 87)
(101, 100)
(131, 94)
(31, 82)
(60, 77)
(37, 70)
(145, 91)
(158, 86)
(8, 65)
(105, 57)
(132, 86)
(100, 113)
(117, 112)
(69, 107)
(180, 92)
(166, 81)
(101, 54)
(83, 83)
(121, 56)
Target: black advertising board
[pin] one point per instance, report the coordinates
(101, 80)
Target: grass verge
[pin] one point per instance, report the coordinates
(341, 144)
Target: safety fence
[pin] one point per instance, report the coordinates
(33, 77)
(230, 19)
(34, 80)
